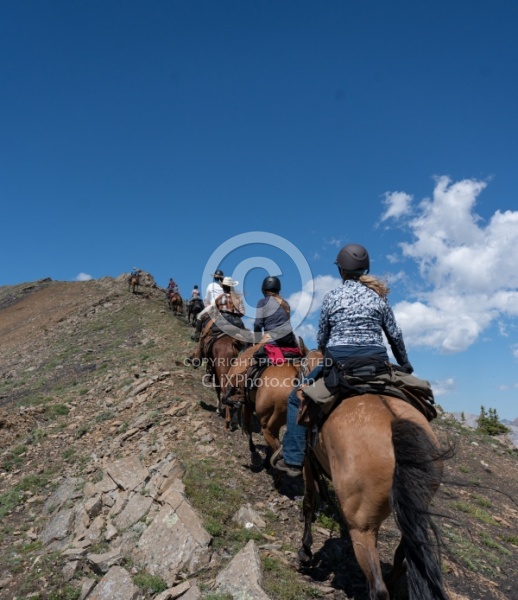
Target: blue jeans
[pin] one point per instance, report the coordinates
(294, 440)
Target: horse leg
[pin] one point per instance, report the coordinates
(365, 543)
(228, 416)
(271, 435)
(399, 566)
(255, 457)
(308, 511)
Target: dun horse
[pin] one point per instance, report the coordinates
(382, 456)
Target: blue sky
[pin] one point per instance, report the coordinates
(152, 134)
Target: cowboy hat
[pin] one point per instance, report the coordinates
(228, 281)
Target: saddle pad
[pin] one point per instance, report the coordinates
(278, 355)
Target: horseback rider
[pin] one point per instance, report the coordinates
(195, 293)
(230, 306)
(135, 272)
(170, 287)
(213, 290)
(353, 318)
(272, 327)
(273, 316)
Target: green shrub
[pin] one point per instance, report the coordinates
(151, 583)
(489, 423)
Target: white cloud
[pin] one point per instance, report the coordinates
(442, 387)
(398, 205)
(83, 277)
(333, 242)
(310, 298)
(468, 267)
(308, 332)
(309, 301)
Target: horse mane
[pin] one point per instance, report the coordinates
(376, 285)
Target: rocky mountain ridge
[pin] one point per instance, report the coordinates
(116, 471)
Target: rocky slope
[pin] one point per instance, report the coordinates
(116, 472)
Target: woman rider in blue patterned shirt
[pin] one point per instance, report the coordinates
(353, 318)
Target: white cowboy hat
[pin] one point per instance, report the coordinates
(228, 281)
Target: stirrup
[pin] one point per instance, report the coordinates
(276, 456)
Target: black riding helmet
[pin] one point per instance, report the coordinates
(353, 259)
(218, 274)
(271, 284)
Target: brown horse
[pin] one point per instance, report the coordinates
(268, 400)
(176, 303)
(382, 456)
(221, 355)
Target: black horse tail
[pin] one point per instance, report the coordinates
(417, 476)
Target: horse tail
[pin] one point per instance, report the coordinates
(417, 476)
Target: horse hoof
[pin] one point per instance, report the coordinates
(304, 556)
(256, 460)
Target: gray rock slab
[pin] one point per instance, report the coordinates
(102, 563)
(175, 541)
(129, 473)
(59, 527)
(194, 593)
(134, 510)
(70, 489)
(174, 592)
(247, 517)
(94, 532)
(242, 577)
(93, 506)
(115, 585)
(87, 585)
(106, 485)
(120, 503)
(70, 569)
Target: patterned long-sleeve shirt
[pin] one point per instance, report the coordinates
(354, 315)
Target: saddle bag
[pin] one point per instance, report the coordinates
(359, 375)
(337, 374)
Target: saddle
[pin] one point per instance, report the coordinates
(358, 376)
(250, 365)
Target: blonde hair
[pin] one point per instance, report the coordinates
(375, 284)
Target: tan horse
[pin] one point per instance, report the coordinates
(176, 303)
(382, 456)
